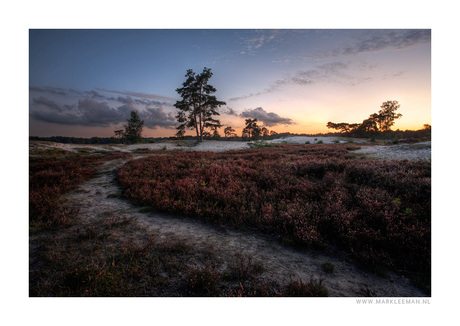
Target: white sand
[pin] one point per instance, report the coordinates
(418, 151)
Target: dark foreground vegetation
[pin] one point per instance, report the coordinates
(321, 196)
(51, 174)
(114, 256)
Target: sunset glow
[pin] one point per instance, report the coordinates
(84, 83)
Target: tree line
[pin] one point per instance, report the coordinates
(380, 122)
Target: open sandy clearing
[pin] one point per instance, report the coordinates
(418, 151)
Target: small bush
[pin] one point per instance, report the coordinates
(300, 289)
(243, 268)
(328, 267)
(202, 281)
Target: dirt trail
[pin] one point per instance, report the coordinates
(280, 262)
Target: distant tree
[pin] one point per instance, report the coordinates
(368, 127)
(342, 126)
(273, 133)
(133, 128)
(252, 130)
(229, 132)
(377, 122)
(426, 126)
(215, 134)
(180, 133)
(198, 106)
(387, 115)
(264, 132)
(119, 134)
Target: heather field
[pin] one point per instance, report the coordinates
(281, 220)
(312, 196)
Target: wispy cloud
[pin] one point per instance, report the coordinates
(52, 90)
(269, 119)
(334, 72)
(255, 42)
(153, 97)
(43, 101)
(378, 40)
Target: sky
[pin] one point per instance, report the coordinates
(84, 82)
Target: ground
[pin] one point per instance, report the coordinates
(282, 263)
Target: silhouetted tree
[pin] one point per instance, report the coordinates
(252, 130)
(387, 115)
(215, 134)
(119, 134)
(264, 132)
(198, 106)
(133, 128)
(342, 126)
(229, 132)
(377, 122)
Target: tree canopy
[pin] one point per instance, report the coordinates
(133, 128)
(377, 122)
(252, 130)
(198, 106)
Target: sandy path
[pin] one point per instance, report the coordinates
(280, 262)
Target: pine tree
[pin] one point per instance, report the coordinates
(133, 128)
(198, 106)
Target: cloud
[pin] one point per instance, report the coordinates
(91, 112)
(158, 99)
(333, 72)
(94, 113)
(230, 111)
(47, 103)
(157, 117)
(374, 41)
(256, 42)
(268, 118)
(52, 90)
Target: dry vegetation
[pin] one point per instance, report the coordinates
(314, 196)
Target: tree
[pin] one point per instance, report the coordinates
(252, 130)
(264, 132)
(133, 128)
(342, 126)
(377, 122)
(198, 106)
(215, 134)
(229, 132)
(368, 127)
(119, 134)
(387, 115)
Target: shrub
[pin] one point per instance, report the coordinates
(202, 281)
(300, 289)
(312, 195)
(328, 267)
